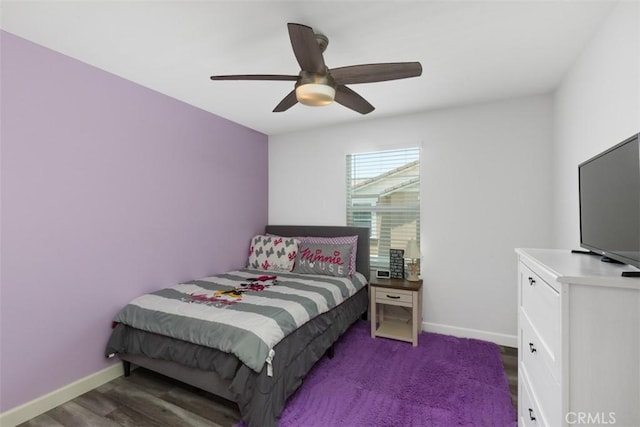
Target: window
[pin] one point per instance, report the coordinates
(383, 193)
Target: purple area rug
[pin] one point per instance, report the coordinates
(445, 381)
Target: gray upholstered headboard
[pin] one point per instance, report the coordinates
(362, 254)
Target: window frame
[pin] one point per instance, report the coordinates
(379, 257)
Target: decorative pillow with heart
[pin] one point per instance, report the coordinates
(322, 258)
(272, 253)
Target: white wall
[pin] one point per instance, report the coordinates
(596, 106)
(485, 190)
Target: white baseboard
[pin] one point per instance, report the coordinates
(500, 339)
(42, 404)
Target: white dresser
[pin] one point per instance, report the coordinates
(578, 341)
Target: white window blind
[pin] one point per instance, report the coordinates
(383, 193)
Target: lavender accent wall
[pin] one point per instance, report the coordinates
(109, 190)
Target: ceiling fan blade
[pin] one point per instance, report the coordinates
(306, 48)
(287, 102)
(256, 77)
(369, 73)
(350, 99)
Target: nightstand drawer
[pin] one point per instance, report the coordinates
(394, 297)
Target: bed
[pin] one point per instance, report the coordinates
(260, 394)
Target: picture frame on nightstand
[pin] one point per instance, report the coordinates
(396, 263)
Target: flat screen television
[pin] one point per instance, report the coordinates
(610, 203)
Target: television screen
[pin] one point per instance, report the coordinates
(610, 202)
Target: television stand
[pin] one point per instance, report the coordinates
(583, 322)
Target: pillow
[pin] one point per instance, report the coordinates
(343, 240)
(323, 258)
(272, 253)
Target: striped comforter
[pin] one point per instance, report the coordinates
(243, 312)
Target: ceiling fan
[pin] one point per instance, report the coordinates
(317, 85)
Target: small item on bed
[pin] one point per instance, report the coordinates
(232, 296)
(325, 259)
(272, 253)
(261, 278)
(259, 283)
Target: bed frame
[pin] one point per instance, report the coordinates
(212, 382)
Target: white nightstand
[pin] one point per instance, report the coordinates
(398, 292)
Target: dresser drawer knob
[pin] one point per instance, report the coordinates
(532, 348)
(531, 415)
(532, 281)
(393, 296)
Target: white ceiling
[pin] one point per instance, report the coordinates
(471, 51)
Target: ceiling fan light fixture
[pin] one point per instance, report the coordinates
(317, 85)
(315, 94)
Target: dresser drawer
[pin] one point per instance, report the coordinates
(394, 297)
(542, 369)
(541, 303)
(529, 412)
(535, 350)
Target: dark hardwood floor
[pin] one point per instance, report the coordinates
(146, 399)
(510, 363)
